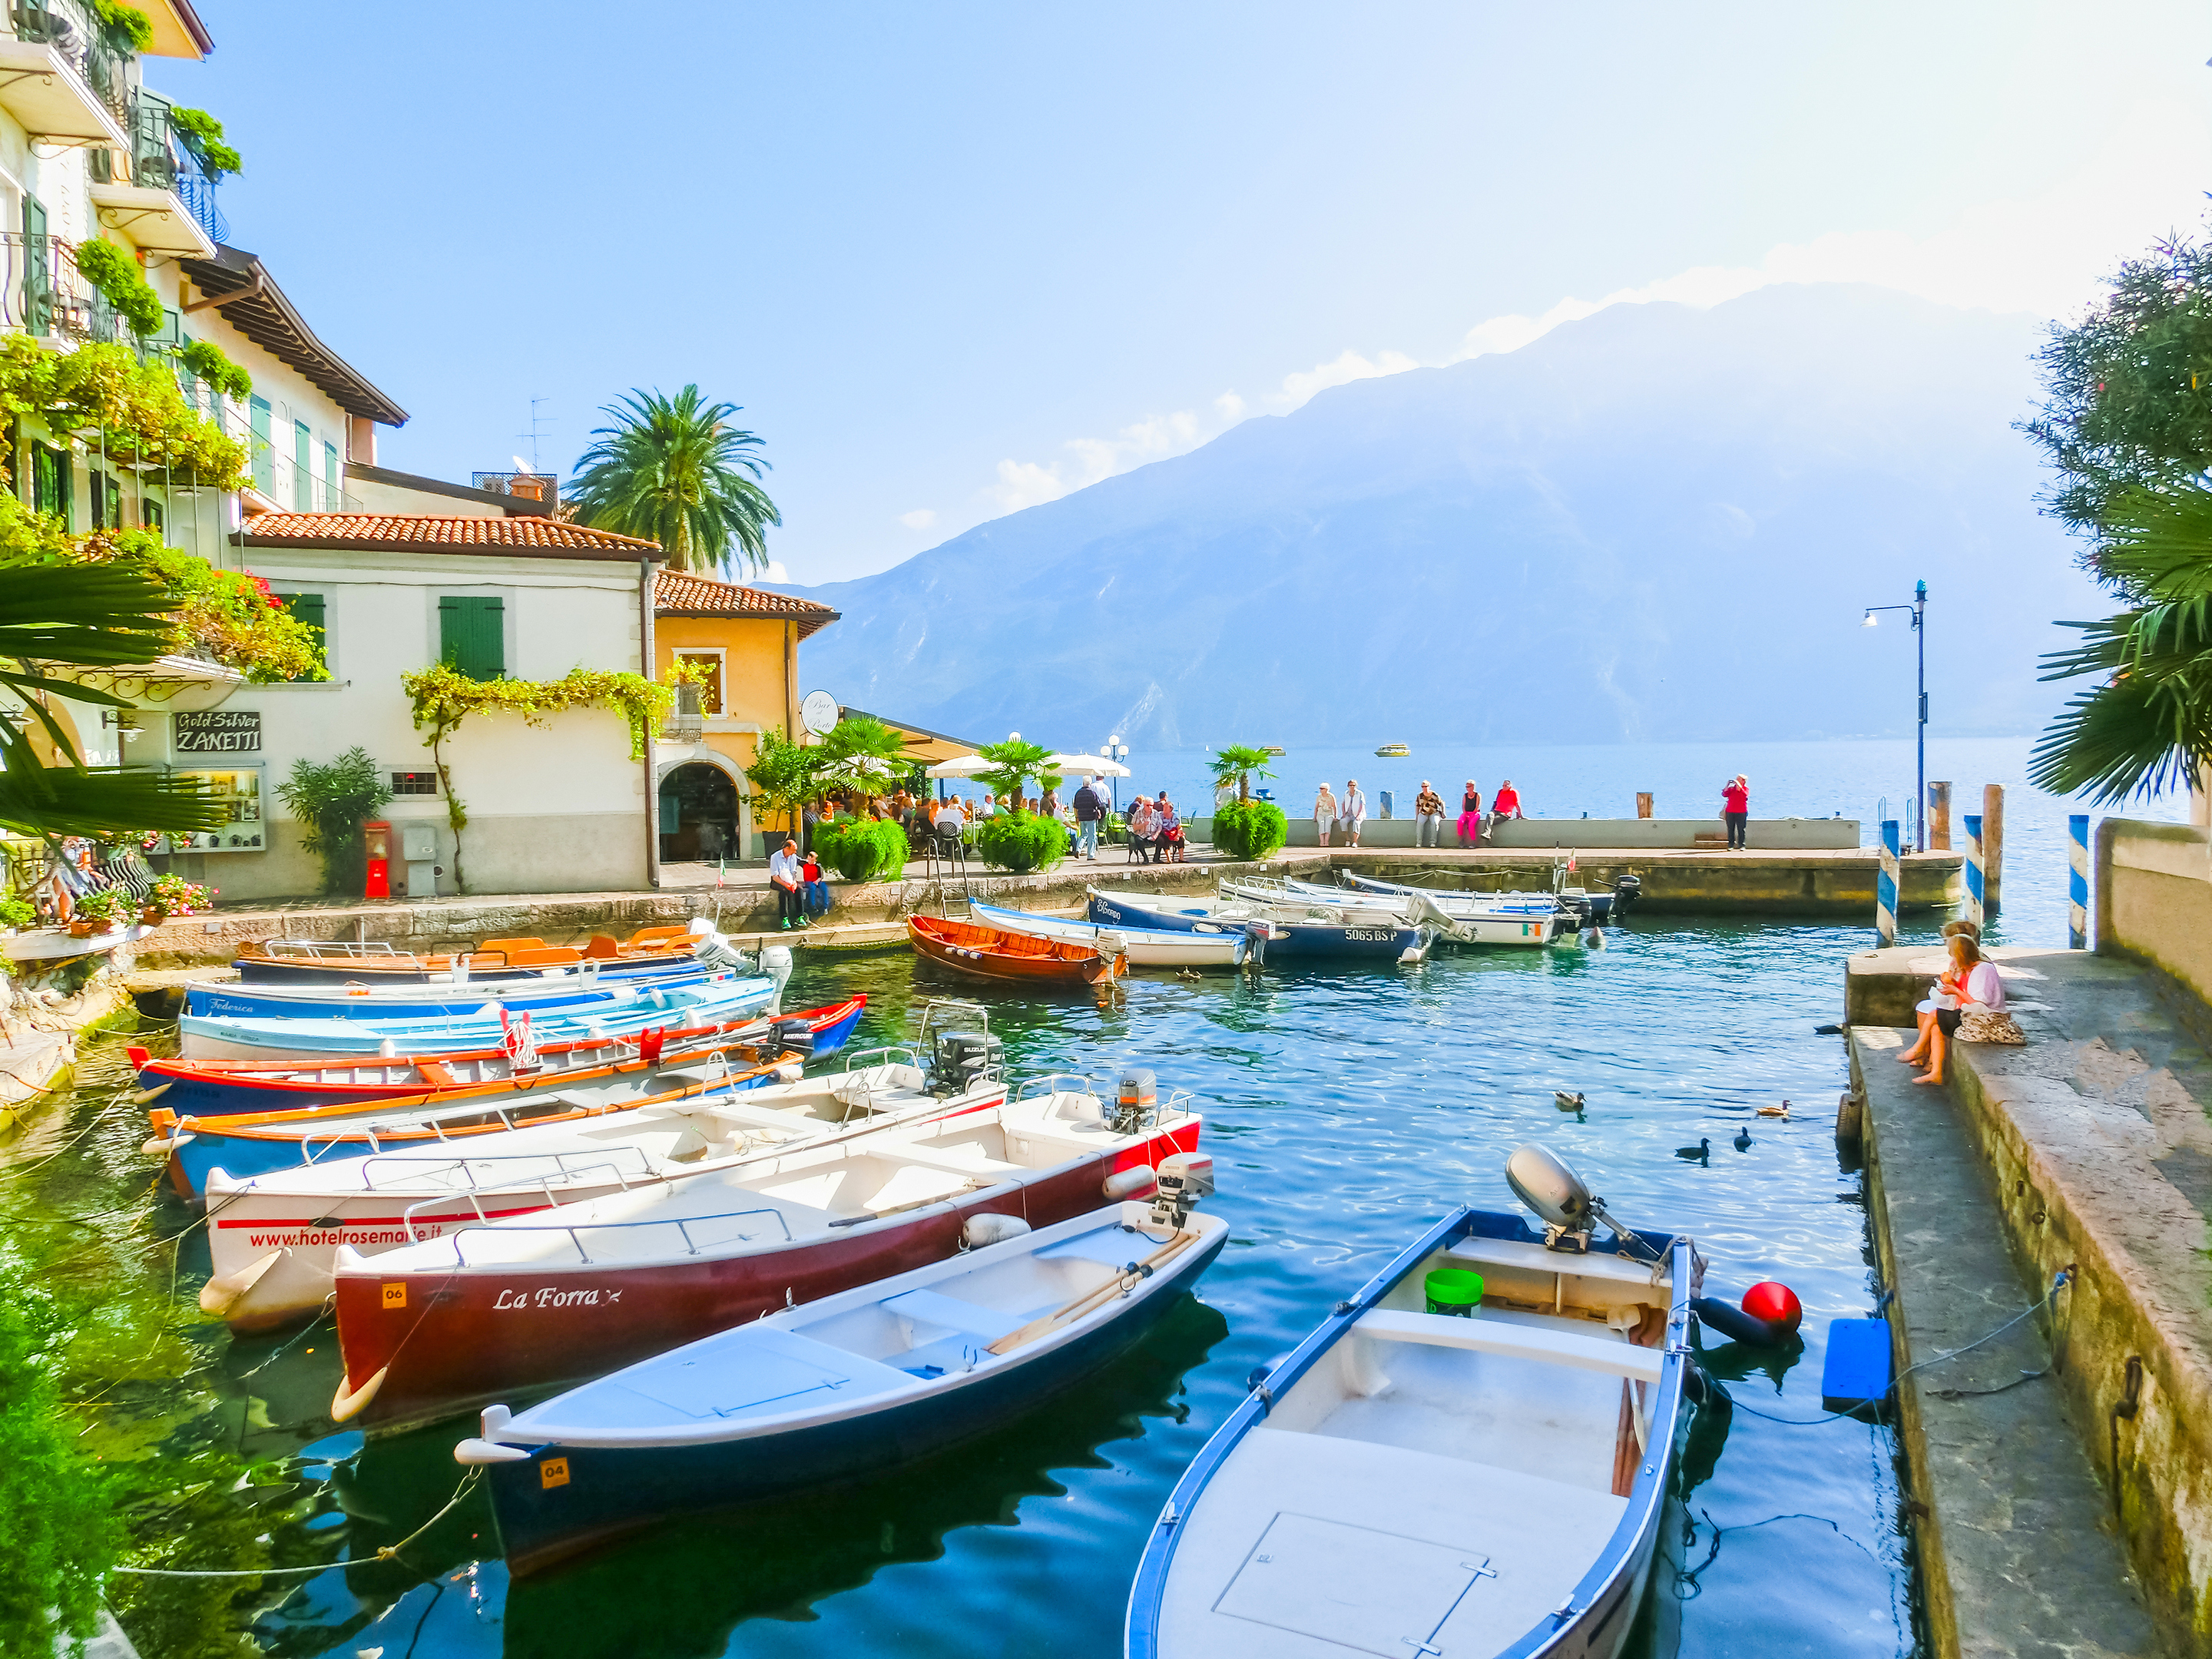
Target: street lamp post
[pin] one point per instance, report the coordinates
(1918, 610)
(1115, 784)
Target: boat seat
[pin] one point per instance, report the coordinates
(1110, 1248)
(1516, 1341)
(971, 1318)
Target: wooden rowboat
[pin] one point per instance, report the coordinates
(994, 953)
(319, 962)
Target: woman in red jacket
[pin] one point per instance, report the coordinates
(1736, 810)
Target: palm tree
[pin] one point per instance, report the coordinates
(57, 620)
(2148, 726)
(1239, 765)
(674, 470)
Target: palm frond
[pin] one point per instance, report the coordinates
(677, 470)
(70, 800)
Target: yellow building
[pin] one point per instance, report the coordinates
(747, 640)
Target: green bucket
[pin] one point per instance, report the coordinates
(1455, 1290)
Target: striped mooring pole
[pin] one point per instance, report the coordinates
(1884, 892)
(1974, 874)
(2077, 881)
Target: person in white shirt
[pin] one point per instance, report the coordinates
(1324, 814)
(1351, 811)
(948, 811)
(784, 875)
(1972, 989)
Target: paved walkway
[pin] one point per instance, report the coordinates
(2090, 1150)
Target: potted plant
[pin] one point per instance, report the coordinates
(102, 912)
(15, 912)
(172, 895)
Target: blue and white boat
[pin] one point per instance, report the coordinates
(423, 1001)
(1480, 1483)
(849, 1386)
(1225, 946)
(626, 1012)
(1301, 936)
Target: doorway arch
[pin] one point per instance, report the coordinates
(699, 814)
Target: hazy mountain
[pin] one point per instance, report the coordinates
(1659, 523)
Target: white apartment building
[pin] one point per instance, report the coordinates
(399, 571)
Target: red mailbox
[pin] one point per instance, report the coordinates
(377, 833)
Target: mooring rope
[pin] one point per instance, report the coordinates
(388, 1552)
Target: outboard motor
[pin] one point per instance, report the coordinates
(962, 1059)
(793, 1036)
(714, 953)
(1184, 1179)
(775, 962)
(1626, 892)
(1136, 1102)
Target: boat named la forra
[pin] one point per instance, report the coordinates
(853, 1384)
(1412, 1482)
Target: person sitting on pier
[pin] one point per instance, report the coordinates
(1167, 829)
(1505, 804)
(1429, 815)
(1970, 988)
(1139, 830)
(1324, 813)
(1470, 815)
(783, 875)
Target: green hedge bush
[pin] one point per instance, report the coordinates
(1249, 829)
(861, 849)
(1021, 841)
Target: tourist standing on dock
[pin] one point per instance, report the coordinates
(1351, 811)
(1089, 813)
(1324, 813)
(1505, 804)
(1470, 815)
(1429, 815)
(1736, 810)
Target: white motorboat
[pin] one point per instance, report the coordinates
(1462, 918)
(1408, 1481)
(274, 1237)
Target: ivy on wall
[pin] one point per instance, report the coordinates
(136, 409)
(443, 698)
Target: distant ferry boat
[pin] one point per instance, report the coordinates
(1272, 749)
(1394, 751)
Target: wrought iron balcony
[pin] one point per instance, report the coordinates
(162, 157)
(71, 30)
(42, 295)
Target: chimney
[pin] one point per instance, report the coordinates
(361, 440)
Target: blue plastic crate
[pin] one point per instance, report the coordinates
(1856, 1373)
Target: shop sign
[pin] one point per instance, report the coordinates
(218, 731)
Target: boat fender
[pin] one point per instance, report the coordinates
(473, 1451)
(148, 1096)
(163, 1145)
(349, 1402)
(1743, 1325)
(226, 1290)
(789, 1073)
(1775, 1303)
(1134, 1183)
(980, 1231)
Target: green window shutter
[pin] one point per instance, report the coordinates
(308, 607)
(332, 497)
(472, 636)
(303, 467)
(264, 457)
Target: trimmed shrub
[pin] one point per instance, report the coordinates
(861, 849)
(1021, 840)
(1249, 829)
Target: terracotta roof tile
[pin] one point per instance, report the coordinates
(676, 594)
(532, 535)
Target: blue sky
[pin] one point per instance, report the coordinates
(957, 259)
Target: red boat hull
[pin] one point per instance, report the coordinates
(456, 1341)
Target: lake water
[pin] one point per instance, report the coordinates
(1346, 1109)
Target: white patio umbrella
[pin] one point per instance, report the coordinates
(1096, 766)
(961, 766)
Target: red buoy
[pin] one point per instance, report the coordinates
(1777, 1305)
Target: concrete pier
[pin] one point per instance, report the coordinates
(2088, 1149)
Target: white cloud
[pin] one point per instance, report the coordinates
(920, 519)
(775, 571)
(1342, 370)
(1232, 407)
(1024, 484)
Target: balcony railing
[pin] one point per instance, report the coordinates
(42, 294)
(163, 156)
(72, 31)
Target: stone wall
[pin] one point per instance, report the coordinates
(2154, 898)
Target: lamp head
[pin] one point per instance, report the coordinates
(1871, 620)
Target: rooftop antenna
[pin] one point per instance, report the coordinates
(533, 434)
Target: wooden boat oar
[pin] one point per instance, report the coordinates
(1090, 1298)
